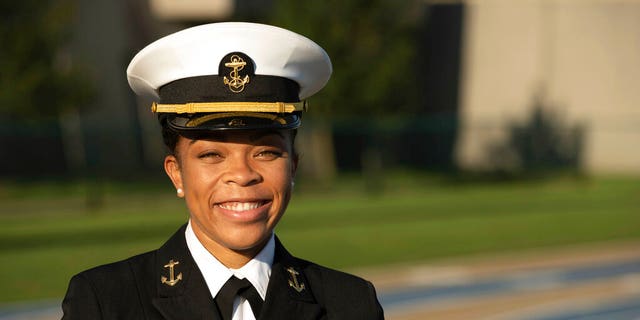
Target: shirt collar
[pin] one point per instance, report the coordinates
(257, 270)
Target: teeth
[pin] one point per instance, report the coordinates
(240, 206)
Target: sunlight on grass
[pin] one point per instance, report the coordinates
(47, 237)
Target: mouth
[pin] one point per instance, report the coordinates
(241, 206)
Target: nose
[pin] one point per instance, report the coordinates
(240, 172)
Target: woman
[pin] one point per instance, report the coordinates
(230, 99)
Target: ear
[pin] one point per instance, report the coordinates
(172, 168)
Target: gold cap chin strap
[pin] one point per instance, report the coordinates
(235, 122)
(207, 107)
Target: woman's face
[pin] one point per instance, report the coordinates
(236, 185)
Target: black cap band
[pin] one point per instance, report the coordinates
(212, 88)
(236, 82)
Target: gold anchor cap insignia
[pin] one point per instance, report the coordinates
(293, 282)
(236, 82)
(172, 280)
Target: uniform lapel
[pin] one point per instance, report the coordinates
(188, 296)
(289, 295)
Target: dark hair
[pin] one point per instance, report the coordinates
(170, 138)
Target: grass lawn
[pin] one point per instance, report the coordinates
(47, 232)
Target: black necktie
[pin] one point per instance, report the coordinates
(231, 289)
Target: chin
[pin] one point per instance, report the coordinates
(246, 240)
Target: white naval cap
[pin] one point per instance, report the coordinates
(197, 51)
(230, 75)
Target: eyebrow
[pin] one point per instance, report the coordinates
(222, 137)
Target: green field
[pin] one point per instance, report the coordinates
(49, 232)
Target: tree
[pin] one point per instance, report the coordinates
(38, 79)
(371, 45)
(39, 83)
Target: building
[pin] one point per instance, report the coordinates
(576, 60)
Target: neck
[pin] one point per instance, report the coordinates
(234, 259)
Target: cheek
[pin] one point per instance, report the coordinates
(282, 175)
(284, 184)
(197, 181)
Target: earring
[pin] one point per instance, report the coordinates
(179, 192)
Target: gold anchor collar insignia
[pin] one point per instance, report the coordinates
(234, 63)
(172, 280)
(293, 282)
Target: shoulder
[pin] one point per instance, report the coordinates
(342, 295)
(104, 290)
(341, 292)
(99, 286)
(122, 278)
(124, 289)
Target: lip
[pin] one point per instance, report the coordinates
(244, 210)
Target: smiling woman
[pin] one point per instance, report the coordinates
(237, 186)
(229, 98)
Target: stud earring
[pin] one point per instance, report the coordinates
(179, 192)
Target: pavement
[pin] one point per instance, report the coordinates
(596, 281)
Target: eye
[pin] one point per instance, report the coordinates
(210, 155)
(269, 154)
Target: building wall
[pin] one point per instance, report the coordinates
(120, 134)
(579, 58)
(101, 44)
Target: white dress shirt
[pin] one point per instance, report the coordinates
(257, 271)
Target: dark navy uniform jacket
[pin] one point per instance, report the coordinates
(132, 289)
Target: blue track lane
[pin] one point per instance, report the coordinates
(624, 310)
(521, 282)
